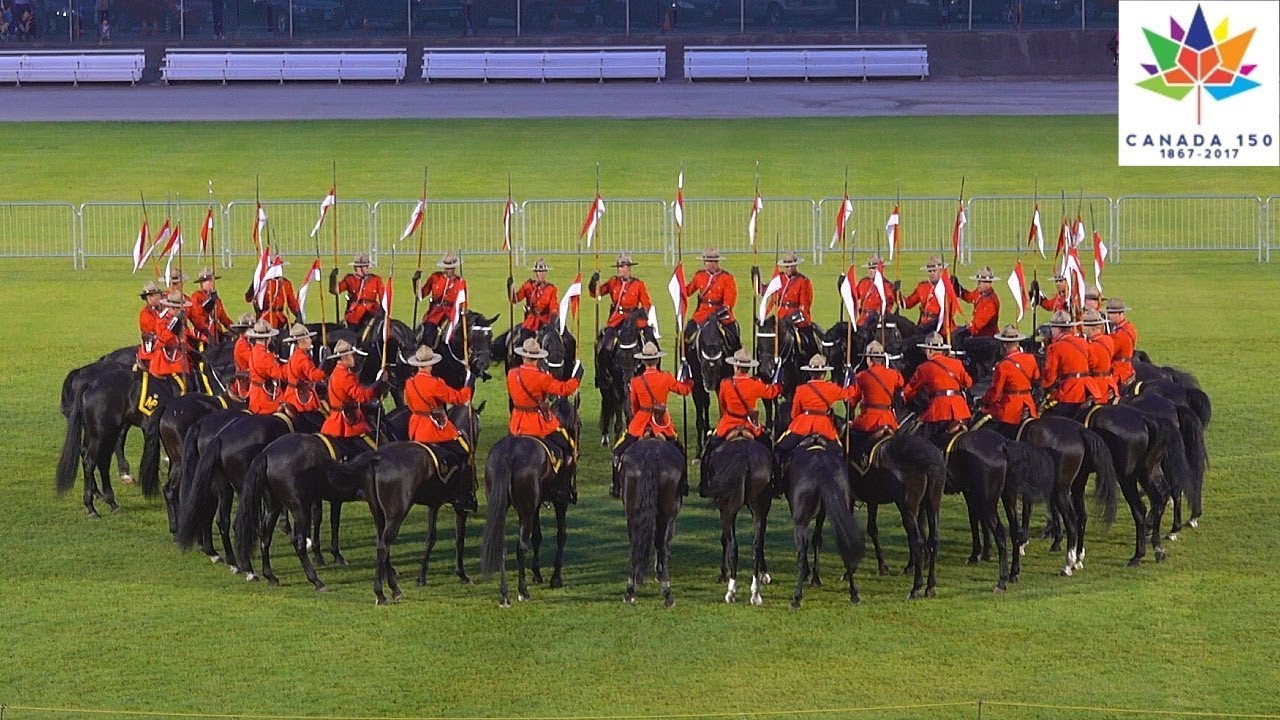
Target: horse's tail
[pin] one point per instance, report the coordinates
(195, 496)
(1200, 403)
(849, 536)
(346, 477)
(149, 468)
(1197, 455)
(69, 391)
(190, 457)
(1032, 469)
(72, 446)
(1106, 486)
(248, 523)
(493, 543)
(1176, 468)
(727, 478)
(644, 523)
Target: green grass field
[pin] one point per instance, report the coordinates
(107, 614)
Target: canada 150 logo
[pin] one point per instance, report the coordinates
(1210, 63)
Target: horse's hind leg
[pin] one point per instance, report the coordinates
(802, 563)
(269, 521)
(535, 569)
(759, 574)
(664, 561)
(104, 471)
(388, 539)
(122, 461)
(562, 535)
(89, 465)
(931, 518)
(224, 529)
(1011, 516)
(992, 522)
(335, 521)
(1129, 487)
(873, 531)
(300, 542)
(976, 550)
(1176, 497)
(433, 513)
(313, 527)
(522, 549)
(729, 554)
(460, 545)
(816, 579)
(1064, 507)
(911, 524)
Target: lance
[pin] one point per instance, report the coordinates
(511, 268)
(257, 197)
(212, 239)
(897, 261)
(596, 246)
(757, 289)
(386, 336)
(1035, 259)
(843, 267)
(324, 322)
(336, 312)
(684, 399)
(942, 306)
(955, 250)
(466, 360)
(421, 236)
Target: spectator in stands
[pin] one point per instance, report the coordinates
(6, 20)
(1019, 9)
(104, 21)
(26, 25)
(1114, 48)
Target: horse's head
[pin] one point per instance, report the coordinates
(560, 350)
(480, 338)
(709, 353)
(566, 411)
(467, 419)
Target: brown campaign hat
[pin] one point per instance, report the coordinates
(261, 331)
(298, 332)
(624, 260)
(361, 260)
(1093, 317)
(342, 348)
(151, 288)
(450, 261)
(1116, 305)
(541, 265)
(934, 341)
(711, 255)
(650, 351)
(424, 357)
(1010, 333)
(742, 359)
(1062, 319)
(531, 349)
(245, 321)
(207, 274)
(933, 263)
(875, 349)
(817, 364)
(175, 300)
(790, 259)
(985, 275)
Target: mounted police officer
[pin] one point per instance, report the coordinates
(529, 387)
(717, 295)
(1010, 400)
(941, 380)
(363, 291)
(649, 415)
(428, 397)
(441, 292)
(541, 303)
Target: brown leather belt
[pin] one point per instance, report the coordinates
(947, 393)
(1017, 392)
(814, 413)
(873, 406)
(1070, 376)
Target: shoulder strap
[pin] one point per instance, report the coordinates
(1021, 369)
(945, 370)
(520, 380)
(653, 398)
(736, 391)
(887, 391)
(818, 395)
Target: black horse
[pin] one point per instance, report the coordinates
(909, 472)
(219, 466)
(1077, 452)
(817, 481)
(615, 367)
(178, 416)
(1194, 411)
(454, 369)
(1185, 460)
(100, 414)
(650, 475)
(741, 469)
(80, 378)
(294, 473)
(517, 473)
(707, 363)
(404, 474)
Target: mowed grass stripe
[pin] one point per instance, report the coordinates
(108, 614)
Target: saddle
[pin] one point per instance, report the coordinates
(864, 451)
(739, 433)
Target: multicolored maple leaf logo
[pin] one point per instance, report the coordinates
(1195, 59)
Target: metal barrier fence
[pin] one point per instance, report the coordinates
(38, 230)
(552, 227)
(784, 223)
(94, 230)
(1148, 222)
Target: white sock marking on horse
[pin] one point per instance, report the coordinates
(310, 545)
(1193, 522)
(1022, 549)
(250, 577)
(766, 578)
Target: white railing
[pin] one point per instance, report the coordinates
(711, 62)
(270, 65)
(543, 64)
(71, 66)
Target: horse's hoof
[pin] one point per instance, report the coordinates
(556, 582)
(1066, 571)
(604, 441)
(215, 559)
(1135, 562)
(1160, 553)
(999, 589)
(397, 596)
(93, 514)
(795, 604)
(234, 570)
(972, 560)
(504, 603)
(523, 597)
(697, 461)
(250, 577)
(986, 557)
(766, 578)
(339, 560)
(1056, 547)
(1194, 523)
(310, 545)
(379, 600)
(537, 578)
(321, 587)
(855, 601)
(730, 598)
(1014, 578)
(915, 595)
(126, 478)
(422, 582)
(816, 582)
(757, 600)
(628, 599)
(1171, 537)
(884, 570)
(670, 602)
(273, 581)
(115, 509)
(931, 592)
(1022, 550)
(464, 580)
